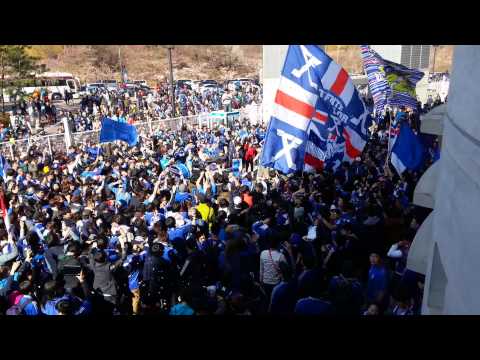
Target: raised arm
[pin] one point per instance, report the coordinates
(200, 179)
(101, 187)
(4, 258)
(151, 198)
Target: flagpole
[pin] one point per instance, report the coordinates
(389, 150)
(388, 143)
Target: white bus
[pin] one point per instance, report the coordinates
(54, 82)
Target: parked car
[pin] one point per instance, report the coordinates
(94, 87)
(183, 83)
(209, 87)
(196, 85)
(146, 90)
(140, 82)
(213, 82)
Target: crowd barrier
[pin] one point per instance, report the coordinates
(56, 143)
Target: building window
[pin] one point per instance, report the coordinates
(415, 56)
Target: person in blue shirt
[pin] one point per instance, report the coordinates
(55, 292)
(313, 306)
(182, 195)
(377, 285)
(25, 299)
(175, 232)
(121, 194)
(312, 300)
(184, 308)
(134, 265)
(346, 292)
(284, 294)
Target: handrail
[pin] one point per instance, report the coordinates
(154, 121)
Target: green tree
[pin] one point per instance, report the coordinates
(16, 63)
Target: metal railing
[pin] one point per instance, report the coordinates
(55, 143)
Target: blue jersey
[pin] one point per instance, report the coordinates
(377, 282)
(133, 263)
(312, 306)
(179, 232)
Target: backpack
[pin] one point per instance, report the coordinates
(17, 309)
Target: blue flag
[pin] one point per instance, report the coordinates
(408, 151)
(236, 166)
(114, 130)
(318, 117)
(390, 83)
(183, 169)
(4, 166)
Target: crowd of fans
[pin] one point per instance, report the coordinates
(124, 104)
(173, 226)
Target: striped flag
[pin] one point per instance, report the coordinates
(4, 166)
(376, 81)
(390, 83)
(318, 118)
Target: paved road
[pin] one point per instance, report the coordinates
(74, 105)
(60, 105)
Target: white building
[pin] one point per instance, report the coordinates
(273, 59)
(447, 247)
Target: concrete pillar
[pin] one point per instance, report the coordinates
(68, 132)
(451, 285)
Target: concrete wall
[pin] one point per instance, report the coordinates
(273, 59)
(451, 285)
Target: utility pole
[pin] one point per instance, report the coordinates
(3, 80)
(121, 68)
(172, 87)
(434, 56)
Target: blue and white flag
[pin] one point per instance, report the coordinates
(4, 166)
(115, 130)
(390, 83)
(408, 151)
(236, 167)
(313, 86)
(377, 83)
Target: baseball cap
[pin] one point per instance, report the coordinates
(237, 200)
